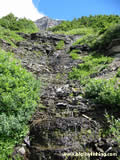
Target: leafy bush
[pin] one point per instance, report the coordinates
(15, 24)
(6, 148)
(78, 31)
(118, 73)
(96, 31)
(100, 41)
(103, 41)
(60, 45)
(92, 64)
(114, 129)
(98, 22)
(9, 36)
(10, 24)
(103, 91)
(88, 39)
(7, 144)
(19, 94)
(74, 54)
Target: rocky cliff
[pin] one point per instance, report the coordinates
(77, 107)
(46, 22)
(65, 122)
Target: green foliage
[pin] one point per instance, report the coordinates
(114, 128)
(9, 21)
(78, 31)
(92, 64)
(7, 144)
(74, 54)
(118, 73)
(100, 41)
(19, 93)
(97, 22)
(26, 26)
(96, 31)
(103, 41)
(60, 45)
(15, 24)
(103, 91)
(10, 24)
(88, 39)
(6, 148)
(9, 36)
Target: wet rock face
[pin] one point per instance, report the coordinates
(58, 136)
(37, 50)
(66, 122)
(56, 132)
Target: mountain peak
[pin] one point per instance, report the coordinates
(46, 22)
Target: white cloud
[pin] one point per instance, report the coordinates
(20, 8)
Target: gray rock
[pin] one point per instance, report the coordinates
(27, 141)
(61, 105)
(22, 151)
(46, 22)
(80, 48)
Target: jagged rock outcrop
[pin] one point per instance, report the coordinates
(46, 22)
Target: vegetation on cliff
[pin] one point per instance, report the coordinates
(91, 66)
(98, 22)
(19, 93)
(19, 90)
(10, 25)
(18, 24)
(98, 32)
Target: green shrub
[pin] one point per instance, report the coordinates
(114, 128)
(88, 39)
(111, 33)
(60, 45)
(10, 24)
(9, 36)
(99, 41)
(78, 31)
(103, 91)
(96, 31)
(19, 94)
(98, 22)
(7, 144)
(15, 24)
(74, 55)
(118, 73)
(6, 148)
(91, 65)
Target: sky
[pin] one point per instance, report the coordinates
(20, 8)
(58, 9)
(69, 9)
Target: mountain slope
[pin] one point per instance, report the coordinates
(78, 111)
